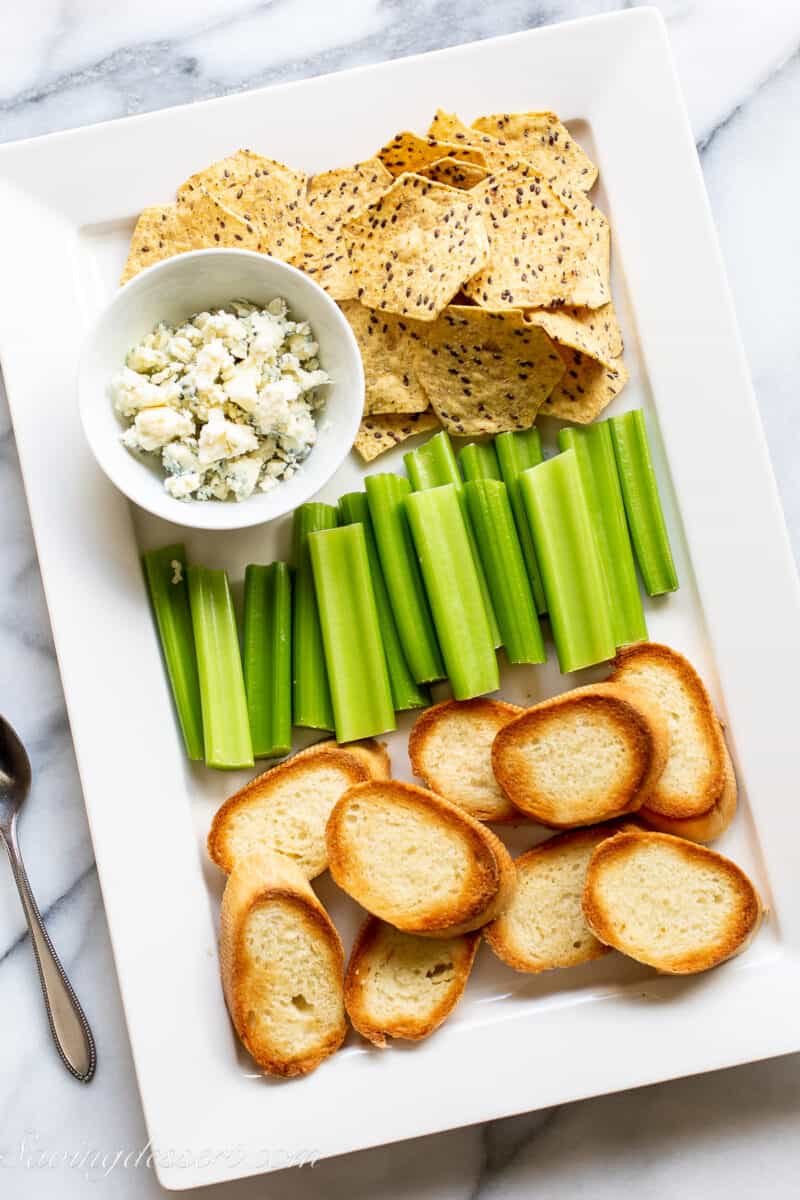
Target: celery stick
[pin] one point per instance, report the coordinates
(572, 573)
(226, 729)
(594, 450)
(406, 693)
(515, 453)
(351, 636)
(385, 495)
(448, 568)
(434, 464)
(165, 571)
(311, 697)
(642, 503)
(267, 655)
(478, 460)
(496, 534)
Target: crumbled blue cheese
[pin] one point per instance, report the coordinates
(229, 400)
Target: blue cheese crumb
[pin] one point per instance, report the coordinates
(230, 400)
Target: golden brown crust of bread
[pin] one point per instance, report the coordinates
(425, 726)
(642, 726)
(373, 754)
(706, 827)
(485, 893)
(743, 926)
(257, 879)
(408, 1028)
(661, 801)
(218, 849)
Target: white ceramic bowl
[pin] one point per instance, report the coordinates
(172, 291)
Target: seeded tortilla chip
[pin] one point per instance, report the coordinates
(390, 379)
(412, 250)
(539, 254)
(381, 432)
(448, 127)
(327, 263)
(587, 387)
(455, 172)
(196, 223)
(483, 371)
(596, 225)
(334, 197)
(407, 152)
(541, 139)
(595, 331)
(263, 192)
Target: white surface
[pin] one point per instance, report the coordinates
(716, 1134)
(174, 290)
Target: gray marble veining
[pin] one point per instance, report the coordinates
(68, 63)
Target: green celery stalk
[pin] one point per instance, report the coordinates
(267, 656)
(165, 572)
(594, 450)
(572, 573)
(406, 693)
(642, 503)
(351, 635)
(496, 534)
(311, 696)
(516, 452)
(478, 460)
(385, 496)
(226, 729)
(434, 464)
(448, 568)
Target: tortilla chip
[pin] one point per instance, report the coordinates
(483, 371)
(341, 195)
(412, 250)
(265, 193)
(199, 222)
(407, 152)
(390, 380)
(595, 331)
(327, 264)
(448, 127)
(380, 433)
(539, 253)
(587, 387)
(455, 172)
(596, 225)
(541, 139)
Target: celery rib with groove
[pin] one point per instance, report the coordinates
(572, 573)
(311, 697)
(516, 452)
(406, 692)
(496, 534)
(267, 657)
(385, 496)
(351, 636)
(226, 728)
(643, 503)
(434, 464)
(478, 460)
(451, 580)
(594, 450)
(165, 572)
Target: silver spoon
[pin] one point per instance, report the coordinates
(68, 1025)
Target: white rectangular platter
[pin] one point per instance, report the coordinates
(67, 205)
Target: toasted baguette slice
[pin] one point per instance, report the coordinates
(672, 904)
(416, 860)
(400, 985)
(285, 809)
(450, 747)
(707, 826)
(698, 768)
(368, 751)
(282, 966)
(584, 757)
(544, 926)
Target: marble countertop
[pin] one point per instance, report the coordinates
(68, 63)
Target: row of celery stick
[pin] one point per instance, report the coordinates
(416, 580)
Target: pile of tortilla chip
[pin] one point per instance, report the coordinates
(470, 263)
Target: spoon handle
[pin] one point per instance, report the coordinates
(68, 1025)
